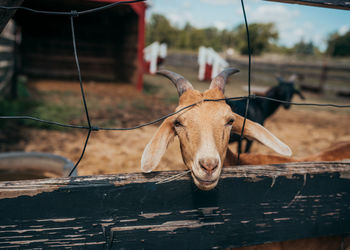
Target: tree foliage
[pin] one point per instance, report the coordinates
(262, 35)
(304, 48)
(189, 37)
(339, 45)
(263, 38)
(159, 29)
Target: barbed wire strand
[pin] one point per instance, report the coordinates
(73, 13)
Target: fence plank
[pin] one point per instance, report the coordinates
(251, 205)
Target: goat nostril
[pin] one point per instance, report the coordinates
(208, 165)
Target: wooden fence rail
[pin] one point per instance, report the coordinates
(251, 205)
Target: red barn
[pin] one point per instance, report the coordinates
(109, 43)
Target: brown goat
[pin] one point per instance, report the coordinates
(204, 130)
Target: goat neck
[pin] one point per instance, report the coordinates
(269, 107)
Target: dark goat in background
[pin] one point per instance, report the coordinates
(260, 109)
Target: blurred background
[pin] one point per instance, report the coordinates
(120, 48)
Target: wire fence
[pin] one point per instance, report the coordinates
(90, 127)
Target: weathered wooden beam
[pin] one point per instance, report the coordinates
(251, 205)
(335, 4)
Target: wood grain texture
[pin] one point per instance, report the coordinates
(251, 205)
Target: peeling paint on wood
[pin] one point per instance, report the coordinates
(188, 211)
(58, 220)
(152, 215)
(168, 226)
(276, 212)
(279, 219)
(15, 192)
(114, 212)
(128, 220)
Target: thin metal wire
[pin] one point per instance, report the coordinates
(249, 72)
(79, 72)
(91, 128)
(69, 13)
(82, 93)
(94, 128)
(25, 117)
(82, 153)
(171, 114)
(305, 104)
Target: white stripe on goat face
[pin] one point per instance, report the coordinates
(204, 137)
(207, 159)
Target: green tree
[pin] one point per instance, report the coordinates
(197, 38)
(192, 38)
(339, 45)
(184, 40)
(228, 39)
(304, 48)
(159, 29)
(261, 36)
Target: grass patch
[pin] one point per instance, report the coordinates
(140, 105)
(150, 89)
(27, 105)
(53, 112)
(171, 99)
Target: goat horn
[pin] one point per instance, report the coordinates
(220, 80)
(179, 81)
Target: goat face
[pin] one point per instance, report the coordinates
(203, 131)
(286, 91)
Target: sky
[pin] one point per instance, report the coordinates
(294, 22)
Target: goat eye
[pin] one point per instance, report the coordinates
(177, 124)
(230, 122)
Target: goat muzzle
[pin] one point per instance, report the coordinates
(209, 165)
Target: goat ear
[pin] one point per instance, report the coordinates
(255, 131)
(156, 148)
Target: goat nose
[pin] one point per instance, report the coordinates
(209, 164)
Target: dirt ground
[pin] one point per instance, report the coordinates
(305, 130)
